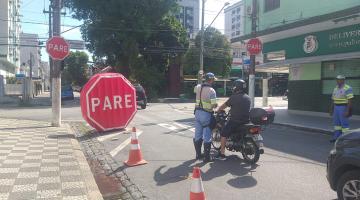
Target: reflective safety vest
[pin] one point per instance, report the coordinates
(208, 97)
(342, 95)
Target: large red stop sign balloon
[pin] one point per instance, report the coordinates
(108, 101)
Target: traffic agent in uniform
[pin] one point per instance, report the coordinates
(204, 108)
(341, 107)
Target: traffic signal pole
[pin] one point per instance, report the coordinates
(56, 76)
(253, 57)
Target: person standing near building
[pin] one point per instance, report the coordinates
(341, 107)
(204, 108)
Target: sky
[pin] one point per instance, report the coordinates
(32, 12)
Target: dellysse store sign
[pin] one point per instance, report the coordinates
(335, 41)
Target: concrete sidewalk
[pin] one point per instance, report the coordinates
(42, 162)
(311, 121)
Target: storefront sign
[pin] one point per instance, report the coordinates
(345, 39)
(334, 41)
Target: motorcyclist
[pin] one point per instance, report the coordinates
(239, 103)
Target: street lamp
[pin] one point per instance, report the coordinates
(201, 70)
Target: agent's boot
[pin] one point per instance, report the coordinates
(207, 156)
(197, 145)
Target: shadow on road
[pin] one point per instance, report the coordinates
(311, 146)
(175, 174)
(237, 168)
(233, 166)
(187, 120)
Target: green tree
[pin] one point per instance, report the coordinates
(160, 50)
(134, 36)
(217, 54)
(116, 29)
(75, 68)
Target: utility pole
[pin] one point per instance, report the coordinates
(253, 57)
(56, 76)
(50, 35)
(202, 34)
(201, 70)
(31, 63)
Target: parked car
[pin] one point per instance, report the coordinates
(343, 166)
(141, 97)
(67, 92)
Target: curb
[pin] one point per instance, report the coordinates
(304, 128)
(175, 100)
(93, 192)
(106, 166)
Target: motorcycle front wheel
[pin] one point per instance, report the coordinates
(216, 139)
(250, 151)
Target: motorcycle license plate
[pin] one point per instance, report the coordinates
(258, 137)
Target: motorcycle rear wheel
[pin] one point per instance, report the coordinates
(251, 152)
(216, 139)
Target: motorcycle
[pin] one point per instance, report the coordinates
(247, 138)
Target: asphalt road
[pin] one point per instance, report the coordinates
(70, 112)
(293, 166)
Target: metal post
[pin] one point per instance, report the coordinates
(56, 78)
(243, 66)
(265, 92)
(31, 65)
(50, 35)
(252, 57)
(201, 69)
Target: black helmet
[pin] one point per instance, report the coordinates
(239, 85)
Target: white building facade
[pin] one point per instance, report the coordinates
(9, 34)
(30, 54)
(188, 15)
(234, 20)
(234, 27)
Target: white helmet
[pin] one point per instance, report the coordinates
(340, 77)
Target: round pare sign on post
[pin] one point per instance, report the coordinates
(254, 46)
(57, 48)
(108, 101)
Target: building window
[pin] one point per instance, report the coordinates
(233, 12)
(238, 10)
(233, 27)
(233, 20)
(238, 18)
(271, 5)
(349, 68)
(189, 10)
(237, 32)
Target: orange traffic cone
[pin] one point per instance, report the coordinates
(197, 188)
(135, 156)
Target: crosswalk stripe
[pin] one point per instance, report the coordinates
(185, 127)
(115, 151)
(168, 126)
(111, 135)
(173, 128)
